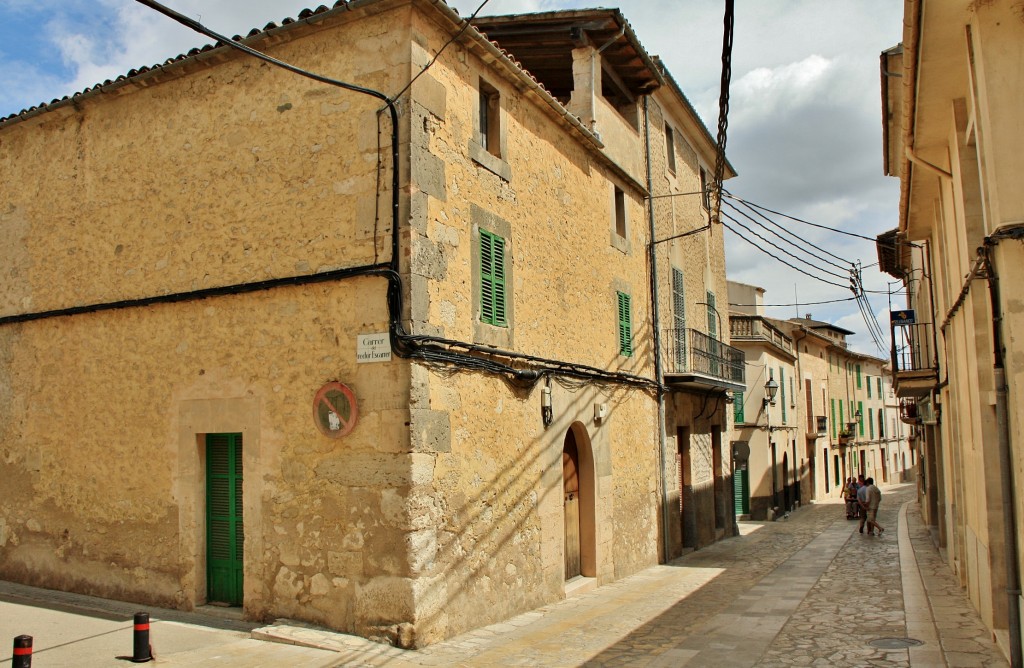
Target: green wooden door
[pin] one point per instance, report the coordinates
(741, 488)
(224, 534)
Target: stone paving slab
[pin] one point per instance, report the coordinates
(807, 591)
(803, 592)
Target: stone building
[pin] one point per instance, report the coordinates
(390, 366)
(767, 464)
(951, 101)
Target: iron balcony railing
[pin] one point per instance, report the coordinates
(910, 348)
(690, 351)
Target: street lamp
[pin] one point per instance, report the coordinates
(771, 388)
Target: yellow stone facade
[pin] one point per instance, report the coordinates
(149, 253)
(953, 137)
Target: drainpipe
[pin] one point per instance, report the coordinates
(1006, 482)
(656, 323)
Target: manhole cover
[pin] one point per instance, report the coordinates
(895, 643)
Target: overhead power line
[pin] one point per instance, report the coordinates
(781, 249)
(799, 246)
(779, 259)
(801, 240)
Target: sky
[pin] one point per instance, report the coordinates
(805, 118)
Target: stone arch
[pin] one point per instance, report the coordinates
(577, 437)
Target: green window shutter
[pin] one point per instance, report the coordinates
(879, 379)
(782, 389)
(869, 387)
(860, 422)
(871, 421)
(842, 421)
(858, 376)
(833, 420)
(737, 407)
(625, 325)
(492, 279)
(881, 423)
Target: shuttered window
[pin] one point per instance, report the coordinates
(860, 421)
(737, 407)
(679, 317)
(833, 420)
(492, 279)
(625, 325)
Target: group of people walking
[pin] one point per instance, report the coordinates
(862, 499)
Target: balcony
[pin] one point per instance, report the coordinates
(695, 360)
(817, 426)
(913, 373)
(754, 328)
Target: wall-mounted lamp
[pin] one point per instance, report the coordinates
(771, 388)
(546, 412)
(600, 412)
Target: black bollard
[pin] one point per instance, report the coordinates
(22, 652)
(141, 649)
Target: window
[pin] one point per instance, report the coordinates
(881, 423)
(869, 387)
(737, 407)
(858, 376)
(871, 422)
(670, 148)
(492, 279)
(860, 421)
(490, 119)
(706, 196)
(625, 325)
(620, 212)
(833, 418)
(879, 379)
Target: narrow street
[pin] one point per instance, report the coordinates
(808, 590)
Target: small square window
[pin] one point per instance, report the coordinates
(670, 148)
(620, 212)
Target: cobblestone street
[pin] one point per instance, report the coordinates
(805, 591)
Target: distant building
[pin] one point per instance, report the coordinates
(833, 415)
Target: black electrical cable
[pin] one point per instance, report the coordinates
(437, 55)
(723, 106)
(824, 227)
(799, 239)
(777, 258)
(783, 250)
(827, 301)
(404, 344)
(791, 243)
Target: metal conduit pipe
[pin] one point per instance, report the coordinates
(655, 321)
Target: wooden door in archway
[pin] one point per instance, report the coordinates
(571, 505)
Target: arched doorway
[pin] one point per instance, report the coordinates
(578, 504)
